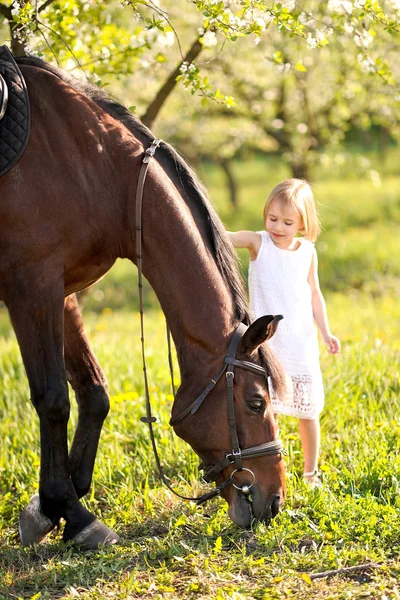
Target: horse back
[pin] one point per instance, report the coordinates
(64, 200)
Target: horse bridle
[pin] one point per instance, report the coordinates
(237, 456)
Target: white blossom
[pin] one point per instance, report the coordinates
(363, 39)
(260, 22)
(166, 39)
(306, 19)
(366, 62)
(289, 4)
(209, 39)
(348, 27)
(340, 6)
(311, 41)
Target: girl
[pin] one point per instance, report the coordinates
(283, 279)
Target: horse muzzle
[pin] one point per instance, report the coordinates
(244, 508)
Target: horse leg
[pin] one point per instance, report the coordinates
(38, 324)
(90, 387)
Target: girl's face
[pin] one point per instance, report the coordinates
(282, 224)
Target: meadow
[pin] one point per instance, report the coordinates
(171, 549)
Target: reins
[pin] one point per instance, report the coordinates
(236, 457)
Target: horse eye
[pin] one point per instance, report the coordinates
(256, 404)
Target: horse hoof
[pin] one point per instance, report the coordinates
(33, 525)
(95, 534)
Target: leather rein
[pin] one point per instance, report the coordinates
(237, 456)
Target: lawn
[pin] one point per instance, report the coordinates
(171, 549)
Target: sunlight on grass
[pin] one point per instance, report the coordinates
(172, 549)
(166, 542)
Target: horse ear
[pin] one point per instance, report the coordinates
(262, 329)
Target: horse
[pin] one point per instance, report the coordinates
(67, 212)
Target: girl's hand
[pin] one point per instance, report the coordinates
(332, 343)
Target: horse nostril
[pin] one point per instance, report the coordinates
(275, 505)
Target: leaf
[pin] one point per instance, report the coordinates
(181, 521)
(218, 545)
(305, 577)
(300, 67)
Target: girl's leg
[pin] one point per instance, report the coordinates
(276, 416)
(310, 438)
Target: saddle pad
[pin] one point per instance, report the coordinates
(15, 124)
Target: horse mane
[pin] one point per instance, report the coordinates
(222, 249)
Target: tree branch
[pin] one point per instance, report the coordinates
(45, 5)
(6, 11)
(344, 570)
(154, 108)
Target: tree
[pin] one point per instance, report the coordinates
(151, 48)
(113, 37)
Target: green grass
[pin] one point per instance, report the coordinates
(169, 548)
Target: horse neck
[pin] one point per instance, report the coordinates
(178, 263)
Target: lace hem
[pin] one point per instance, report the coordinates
(304, 397)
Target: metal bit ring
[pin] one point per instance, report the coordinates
(244, 488)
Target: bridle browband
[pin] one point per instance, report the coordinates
(237, 456)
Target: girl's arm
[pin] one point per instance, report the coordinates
(319, 308)
(246, 239)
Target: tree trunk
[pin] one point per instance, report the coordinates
(18, 38)
(226, 166)
(300, 170)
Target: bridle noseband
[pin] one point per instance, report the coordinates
(237, 455)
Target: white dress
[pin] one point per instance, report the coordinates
(278, 285)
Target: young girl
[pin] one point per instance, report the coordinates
(283, 279)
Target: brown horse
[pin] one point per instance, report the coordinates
(66, 214)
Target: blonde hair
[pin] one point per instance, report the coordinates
(297, 193)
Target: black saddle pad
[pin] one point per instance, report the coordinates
(15, 124)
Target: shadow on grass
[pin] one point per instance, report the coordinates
(59, 570)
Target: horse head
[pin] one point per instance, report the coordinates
(235, 433)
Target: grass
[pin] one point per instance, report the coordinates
(169, 548)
